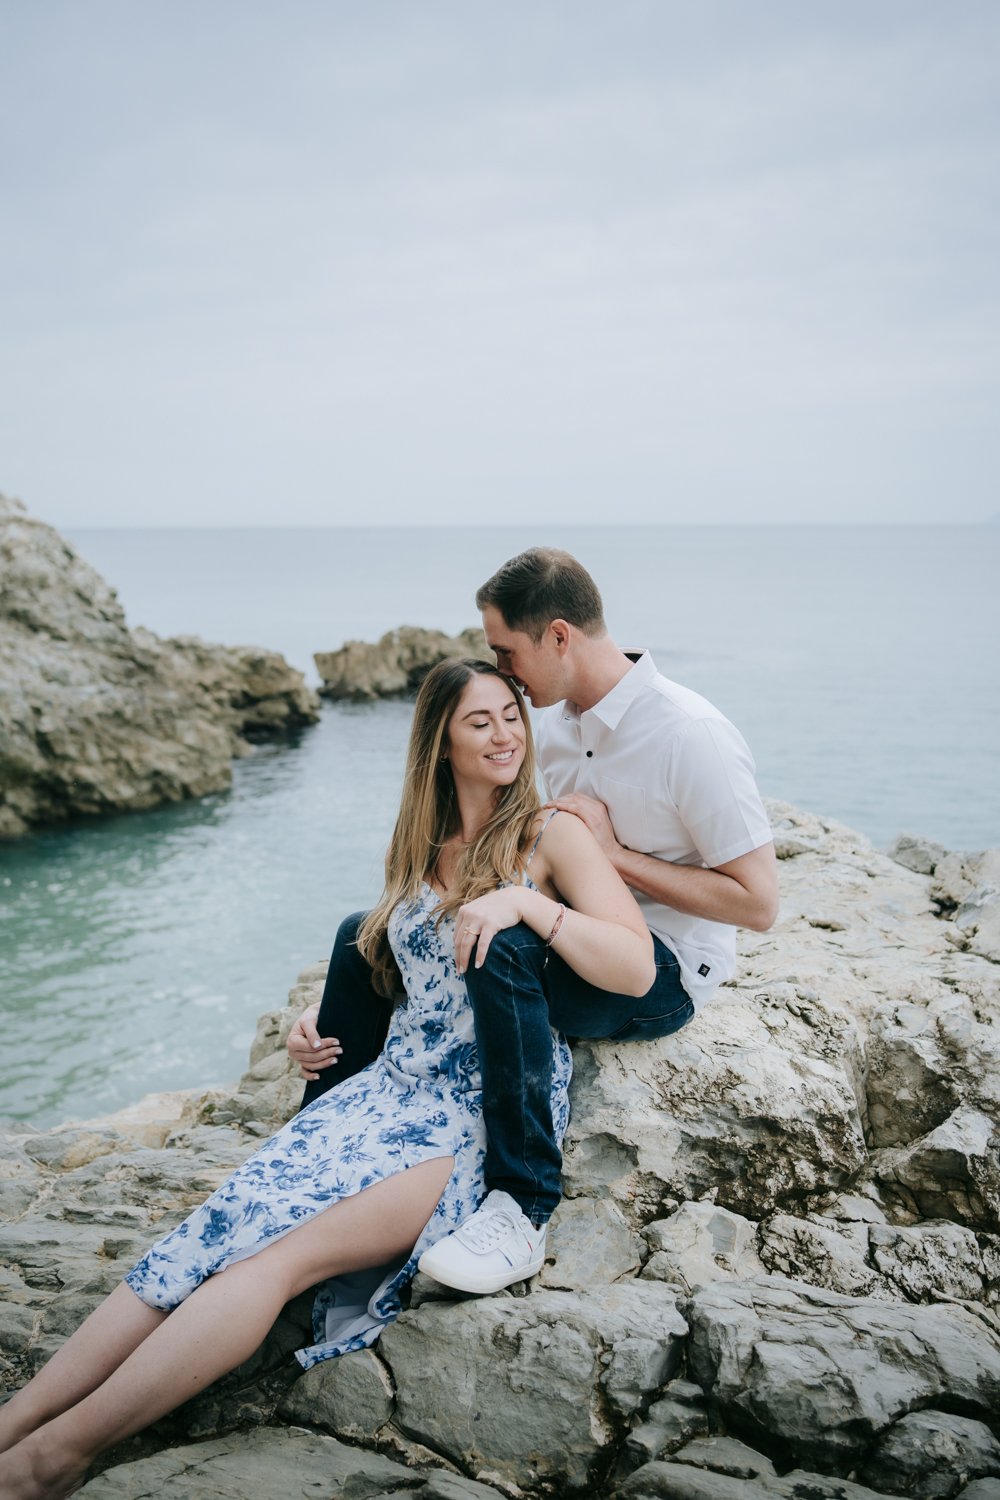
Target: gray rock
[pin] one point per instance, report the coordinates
(255, 1466)
(49, 1254)
(726, 1455)
(670, 1481)
(589, 1243)
(931, 1259)
(442, 1485)
(952, 1172)
(64, 1150)
(968, 885)
(911, 1085)
(979, 914)
(925, 1061)
(395, 666)
(955, 876)
(798, 832)
(749, 1101)
(931, 1455)
(17, 1196)
(671, 1422)
(537, 1390)
(95, 718)
(424, 1289)
(821, 1375)
(982, 1489)
(15, 1160)
(673, 1481)
(17, 1325)
(825, 1252)
(922, 855)
(351, 1396)
(700, 1243)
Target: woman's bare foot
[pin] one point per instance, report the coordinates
(33, 1471)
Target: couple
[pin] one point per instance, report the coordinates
(610, 912)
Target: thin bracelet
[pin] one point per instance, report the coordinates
(555, 931)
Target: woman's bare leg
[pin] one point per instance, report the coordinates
(217, 1328)
(88, 1357)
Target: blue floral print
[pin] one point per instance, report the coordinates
(420, 1100)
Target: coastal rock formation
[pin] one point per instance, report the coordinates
(932, 1454)
(264, 1463)
(97, 718)
(817, 1377)
(396, 665)
(533, 1391)
(779, 1245)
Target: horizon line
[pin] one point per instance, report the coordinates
(993, 520)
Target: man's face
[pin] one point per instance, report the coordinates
(538, 669)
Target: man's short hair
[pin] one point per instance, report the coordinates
(542, 585)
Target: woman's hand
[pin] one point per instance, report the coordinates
(482, 918)
(308, 1049)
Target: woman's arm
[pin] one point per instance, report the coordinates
(603, 937)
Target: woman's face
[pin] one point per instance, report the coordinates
(485, 734)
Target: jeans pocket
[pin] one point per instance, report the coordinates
(648, 1028)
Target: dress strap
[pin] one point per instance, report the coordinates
(541, 830)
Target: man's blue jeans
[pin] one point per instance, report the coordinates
(517, 998)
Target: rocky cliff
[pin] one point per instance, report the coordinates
(395, 665)
(775, 1272)
(97, 718)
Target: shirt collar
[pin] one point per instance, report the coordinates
(613, 705)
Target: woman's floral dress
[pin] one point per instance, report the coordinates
(420, 1100)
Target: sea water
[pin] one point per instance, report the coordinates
(136, 951)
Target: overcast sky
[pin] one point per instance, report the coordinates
(443, 261)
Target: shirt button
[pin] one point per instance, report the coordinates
(589, 754)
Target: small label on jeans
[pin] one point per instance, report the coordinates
(704, 970)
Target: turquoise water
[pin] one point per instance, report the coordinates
(136, 952)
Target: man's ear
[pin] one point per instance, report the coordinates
(560, 632)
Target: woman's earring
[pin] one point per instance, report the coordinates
(443, 758)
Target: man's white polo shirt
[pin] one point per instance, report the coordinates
(678, 780)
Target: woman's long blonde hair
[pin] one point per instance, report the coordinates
(429, 815)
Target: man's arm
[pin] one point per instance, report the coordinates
(743, 892)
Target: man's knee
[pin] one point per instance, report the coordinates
(513, 950)
(346, 960)
(347, 932)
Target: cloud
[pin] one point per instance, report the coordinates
(561, 262)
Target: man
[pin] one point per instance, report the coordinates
(666, 785)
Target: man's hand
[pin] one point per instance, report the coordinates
(596, 816)
(308, 1049)
(741, 893)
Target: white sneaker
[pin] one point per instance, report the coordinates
(496, 1246)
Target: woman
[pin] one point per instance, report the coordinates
(349, 1194)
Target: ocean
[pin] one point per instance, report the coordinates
(860, 663)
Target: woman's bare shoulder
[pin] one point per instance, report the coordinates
(564, 834)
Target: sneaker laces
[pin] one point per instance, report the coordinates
(485, 1229)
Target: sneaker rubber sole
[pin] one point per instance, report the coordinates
(482, 1285)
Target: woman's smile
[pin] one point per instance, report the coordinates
(487, 712)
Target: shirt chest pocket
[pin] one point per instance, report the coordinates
(627, 806)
